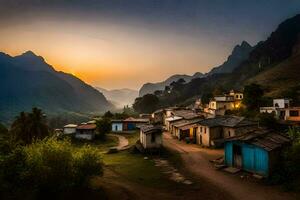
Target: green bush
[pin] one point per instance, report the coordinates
(49, 165)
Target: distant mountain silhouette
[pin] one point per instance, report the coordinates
(149, 88)
(239, 54)
(120, 97)
(27, 81)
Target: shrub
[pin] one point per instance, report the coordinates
(49, 165)
(103, 127)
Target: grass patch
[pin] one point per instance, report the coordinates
(135, 168)
(102, 145)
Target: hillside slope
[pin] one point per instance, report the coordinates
(27, 81)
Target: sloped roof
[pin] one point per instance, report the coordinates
(86, 127)
(186, 114)
(187, 127)
(151, 129)
(173, 118)
(70, 126)
(228, 121)
(185, 122)
(131, 119)
(266, 139)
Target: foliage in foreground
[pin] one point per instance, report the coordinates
(288, 172)
(30, 126)
(48, 166)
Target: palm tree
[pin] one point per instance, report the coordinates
(30, 126)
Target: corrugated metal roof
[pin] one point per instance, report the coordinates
(228, 121)
(185, 122)
(186, 114)
(266, 139)
(150, 129)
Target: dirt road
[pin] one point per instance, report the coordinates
(196, 161)
(123, 142)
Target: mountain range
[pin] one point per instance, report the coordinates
(120, 97)
(239, 54)
(273, 63)
(27, 80)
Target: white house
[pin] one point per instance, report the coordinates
(69, 129)
(229, 101)
(151, 137)
(86, 131)
(282, 110)
(117, 125)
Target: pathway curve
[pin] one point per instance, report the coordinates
(123, 142)
(196, 160)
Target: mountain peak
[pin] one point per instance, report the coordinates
(245, 44)
(29, 53)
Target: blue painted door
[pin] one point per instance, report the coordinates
(248, 158)
(261, 161)
(228, 153)
(131, 126)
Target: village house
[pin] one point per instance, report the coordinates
(185, 128)
(183, 114)
(212, 131)
(282, 110)
(256, 151)
(129, 124)
(86, 131)
(220, 104)
(151, 137)
(69, 129)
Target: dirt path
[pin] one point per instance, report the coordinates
(196, 161)
(123, 142)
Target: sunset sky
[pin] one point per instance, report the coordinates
(125, 43)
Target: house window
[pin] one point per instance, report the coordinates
(286, 105)
(237, 96)
(294, 113)
(276, 105)
(241, 96)
(205, 130)
(152, 138)
(201, 129)
(228, 133)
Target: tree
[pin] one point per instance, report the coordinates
(108, 115)
(103, 127)
(253, 94)
(267, 120)
(206, 98)
(30, 126)
(146, 104)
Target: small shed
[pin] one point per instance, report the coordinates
(257, 151)
(69, 129)
(86, 131)
(151, 137)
